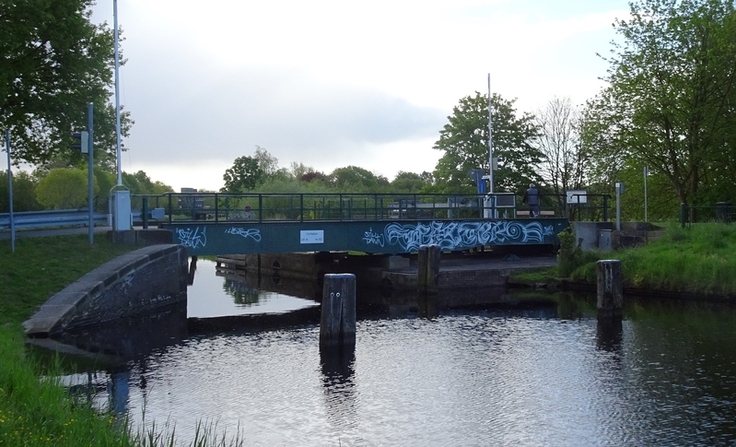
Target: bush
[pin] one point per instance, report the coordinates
(63, 188)
(570, 256)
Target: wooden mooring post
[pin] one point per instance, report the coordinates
(610, 289)
(337, 323)
(428, 274)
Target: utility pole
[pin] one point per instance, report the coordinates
(646, 208)
(490, 138)
(90, 173)
(121, 199)
(10, 193)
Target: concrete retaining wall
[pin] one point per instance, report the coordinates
(137, 283)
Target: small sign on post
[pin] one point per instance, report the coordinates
(81, 141)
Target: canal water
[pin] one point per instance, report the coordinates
(517, 375)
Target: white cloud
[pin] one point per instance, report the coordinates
(335, 83)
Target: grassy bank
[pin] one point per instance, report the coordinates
(698, 260)
(35, 412)
(42, 266)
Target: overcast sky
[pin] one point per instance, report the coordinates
(337, 83)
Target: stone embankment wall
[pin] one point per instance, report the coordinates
(137, 283)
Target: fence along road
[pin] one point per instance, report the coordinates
(49, 223)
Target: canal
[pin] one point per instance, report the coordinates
(536, 372)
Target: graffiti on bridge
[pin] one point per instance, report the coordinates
(192, 238)
(372, 238)
(459, 235)
(253, 233)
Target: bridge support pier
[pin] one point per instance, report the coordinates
(610, 289)
(337, 323)
(428, 274)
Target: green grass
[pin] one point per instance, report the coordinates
(40, 412)
(547, 275)
(42, 266)
(700, 260)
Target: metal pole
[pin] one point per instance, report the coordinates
(490, 139)
(646, 208)
(90, 174)
(117, 93)
(10, 194)
(618, 206)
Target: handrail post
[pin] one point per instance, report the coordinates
(260, 208)
(144, 213)
(217, 208)
(605, 208)
(171, 210)
(301, 207)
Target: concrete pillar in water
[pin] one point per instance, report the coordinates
(428, 274)
(337, 324)
(610, 289)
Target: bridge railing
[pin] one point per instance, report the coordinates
(362, 206)
(317, 207)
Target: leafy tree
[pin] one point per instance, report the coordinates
(671, 98)
(140, 183)
(563, 166)
(355, 179)
(266, 162)
(24, 192)
(298, 170)
(244, 175)
(464, 140)
(55, 62)
(410, 182)
(312, 176)
(64, 189)
(105, 180)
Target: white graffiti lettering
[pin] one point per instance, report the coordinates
(253, 233)
(458, 235)
(192, 238)
(371, 238)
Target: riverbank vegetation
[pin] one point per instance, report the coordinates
(40, 412)
(697, 260)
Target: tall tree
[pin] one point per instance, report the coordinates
(464, 140)
(356, 179)
(671, 99)
(410, 182)
(244, 175)
(563, 165)
(55, 62)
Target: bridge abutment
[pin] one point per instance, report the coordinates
(140, 282)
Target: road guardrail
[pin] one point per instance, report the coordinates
(53, 218)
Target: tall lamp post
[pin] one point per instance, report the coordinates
(646, 208)
(121, 197)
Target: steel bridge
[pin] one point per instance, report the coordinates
(218, 223)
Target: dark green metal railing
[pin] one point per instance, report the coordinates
(272, 207)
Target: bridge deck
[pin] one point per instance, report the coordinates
(213, 238)
(212, 224)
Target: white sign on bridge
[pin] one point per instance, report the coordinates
(312, 237)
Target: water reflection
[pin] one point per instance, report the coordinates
(609, 334)
(338, 365)
(505, 369)
(229, 292)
